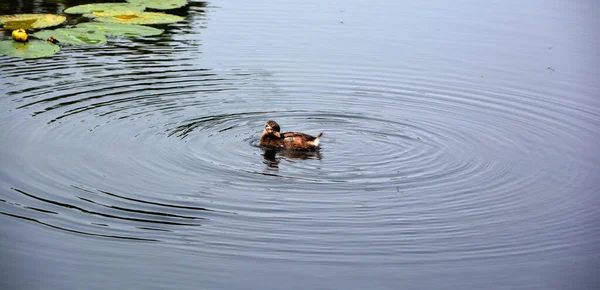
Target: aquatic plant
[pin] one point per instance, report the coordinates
(20, 35)
(104, 8)
(118, 29)
(30, 49)
(112, 19)
(30, 21)
(73, 36)
(160, 4)
(141, 18)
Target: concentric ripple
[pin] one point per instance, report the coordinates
(433, 153)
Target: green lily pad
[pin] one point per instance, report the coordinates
(74, 36)
(160, 4)
(30, 49)
(112, 13)
(104, 8)
(141, 18)
(31, 21)
(118, 29)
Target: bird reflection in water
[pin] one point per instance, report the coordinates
(273, 156)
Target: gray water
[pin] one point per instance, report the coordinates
(459, 150)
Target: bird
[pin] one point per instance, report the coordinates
(296, 141)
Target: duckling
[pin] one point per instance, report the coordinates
(289, 140)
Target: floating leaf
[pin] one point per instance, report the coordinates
(30, 21)
(74, 36)
(104, 8)
(160, 4)
(142, 18)
(118, 29)
(30, 49)
(112, 13)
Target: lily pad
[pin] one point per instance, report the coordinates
(74, 36)
(118, 29)
(30, 49)
(160, 4)
(142, 18)
(104, 8)
(111, 13)
(31, 21)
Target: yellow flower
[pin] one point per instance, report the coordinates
(19, 35)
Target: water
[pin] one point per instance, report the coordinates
(459, 150)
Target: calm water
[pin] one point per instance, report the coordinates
(460, 150)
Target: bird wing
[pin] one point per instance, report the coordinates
(299, 141)
(298, 136)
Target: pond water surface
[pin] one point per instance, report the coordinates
(460, 150)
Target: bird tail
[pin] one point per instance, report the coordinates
(318, 139)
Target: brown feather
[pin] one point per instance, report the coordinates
(288, 140)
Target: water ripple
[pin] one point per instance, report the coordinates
(156, 140)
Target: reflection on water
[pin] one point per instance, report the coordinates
(273, 156)
(452, 155)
